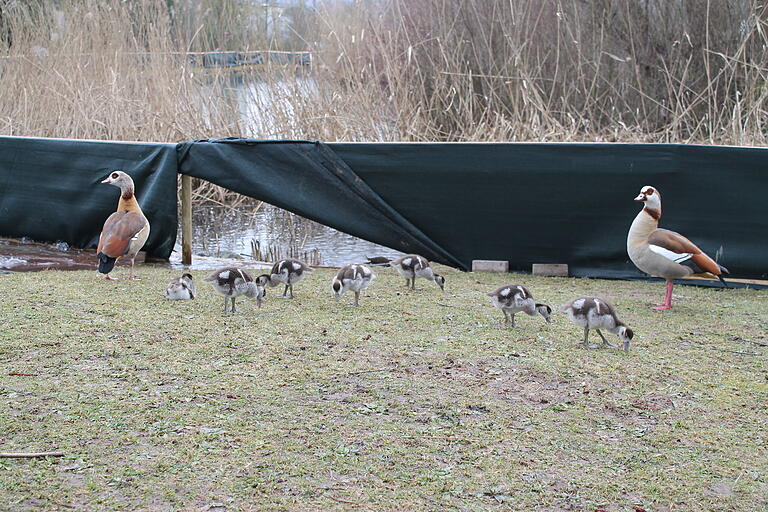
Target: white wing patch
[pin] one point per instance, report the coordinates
(670, 255)
(296, 266)
(407, 261)
(224, 275)
(505, 292)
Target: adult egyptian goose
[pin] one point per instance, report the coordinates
(233, 282)
(412, 266)
(515, 298)
(596, 313)
(181, 288)
(664, 253)
(354, 277)
(287, 271)
(125, 231)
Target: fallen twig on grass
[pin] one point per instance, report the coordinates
(369, 371)
(23, 374)
(738, 338)
(30, 455)
(737, 352)
(334, 498)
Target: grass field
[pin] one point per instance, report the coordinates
(413, 401)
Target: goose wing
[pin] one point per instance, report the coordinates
(119, 229)
(679, 249)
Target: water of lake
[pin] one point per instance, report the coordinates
(227, 233)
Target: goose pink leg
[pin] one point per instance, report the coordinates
(132, 276)
(667, 304)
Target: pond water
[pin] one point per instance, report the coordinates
(267, 233)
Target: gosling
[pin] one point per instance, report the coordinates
(181, 288)
(596, 313)
(412, 266)
(515, 298)
(287, 271)
(354, 277)
(233, 282)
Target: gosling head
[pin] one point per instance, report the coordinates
(253, 290)
(440, 280)
(625, 334)
(545, 311)
(336, 287)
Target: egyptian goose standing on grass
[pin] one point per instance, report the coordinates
(354, 277)
(596, 313)
(233, 282)
(125, 231)
(181, 288)
(287, 271)
(412, 266)
(515, 298)
(664, 253)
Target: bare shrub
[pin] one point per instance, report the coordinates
(413, 70)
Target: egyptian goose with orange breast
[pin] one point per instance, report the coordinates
(125, 231)
(664, 253)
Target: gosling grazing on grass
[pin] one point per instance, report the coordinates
(596, 313)
(233, 282)
(354, 277)
(664, 253)
(125, 231)
(515, 298)
(287, 271)
(181, 288)
(412, 266)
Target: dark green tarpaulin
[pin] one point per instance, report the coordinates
(521, 202)
(309, 179)
(50, 190)
(452, 202)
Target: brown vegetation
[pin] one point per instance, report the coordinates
(413, 70)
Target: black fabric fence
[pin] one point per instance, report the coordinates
(50, 190)
(452, 202)
(519, 202)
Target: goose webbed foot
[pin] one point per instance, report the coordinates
(605, 341)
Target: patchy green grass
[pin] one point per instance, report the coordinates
(413, 401)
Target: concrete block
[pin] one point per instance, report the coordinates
(550, 269)
(490, 266)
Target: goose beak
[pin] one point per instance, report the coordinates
(640, 198)
(106, 181)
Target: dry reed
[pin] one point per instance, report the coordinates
(413, 70)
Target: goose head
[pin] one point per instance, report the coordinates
(651, 197)
(122, 181)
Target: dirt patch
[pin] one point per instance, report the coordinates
(536, 388)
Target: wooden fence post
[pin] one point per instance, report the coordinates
(186, 220)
